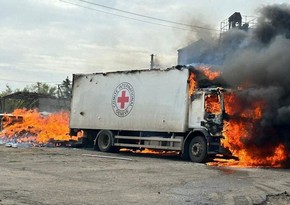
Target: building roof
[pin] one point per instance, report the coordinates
(27, 95)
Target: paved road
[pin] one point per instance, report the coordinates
(67, 176)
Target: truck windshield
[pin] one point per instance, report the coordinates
(212, 103)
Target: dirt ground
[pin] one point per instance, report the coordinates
(76, 176)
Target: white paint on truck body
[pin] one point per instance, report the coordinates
(145, 100)
(196, 110)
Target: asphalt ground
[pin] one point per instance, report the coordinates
(42, 175)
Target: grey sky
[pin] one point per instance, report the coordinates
(45, 41)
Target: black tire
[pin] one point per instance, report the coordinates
(197, 149)
(105, 141)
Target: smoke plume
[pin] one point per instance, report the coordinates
(259, 60)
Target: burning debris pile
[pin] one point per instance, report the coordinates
(35, 128)
(256, 64)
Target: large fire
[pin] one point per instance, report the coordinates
(31, 126)
(240, 132)
(241, 129)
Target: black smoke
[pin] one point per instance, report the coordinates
(274, 21)
(259, 60)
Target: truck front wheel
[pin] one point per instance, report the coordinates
(105, 141)
(197, 149)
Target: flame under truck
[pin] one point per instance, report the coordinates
(146, 109)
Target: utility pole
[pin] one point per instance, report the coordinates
(152, 61)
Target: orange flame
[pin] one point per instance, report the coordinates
(208, 73)
(241, 128)
(212, 104)
(36, 128)
(192, 83)
(239, 131)
(151, 151)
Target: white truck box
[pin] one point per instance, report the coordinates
(142, 100)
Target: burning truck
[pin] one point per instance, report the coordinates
(167, 110)
(155, 109)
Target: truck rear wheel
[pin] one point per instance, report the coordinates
(105, 141)
(197, 149)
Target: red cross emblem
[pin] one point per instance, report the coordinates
(123, 99)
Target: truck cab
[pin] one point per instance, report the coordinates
(206, 113)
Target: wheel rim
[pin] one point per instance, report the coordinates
(105, 141)
(196, 149)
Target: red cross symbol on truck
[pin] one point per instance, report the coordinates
(123, 99)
